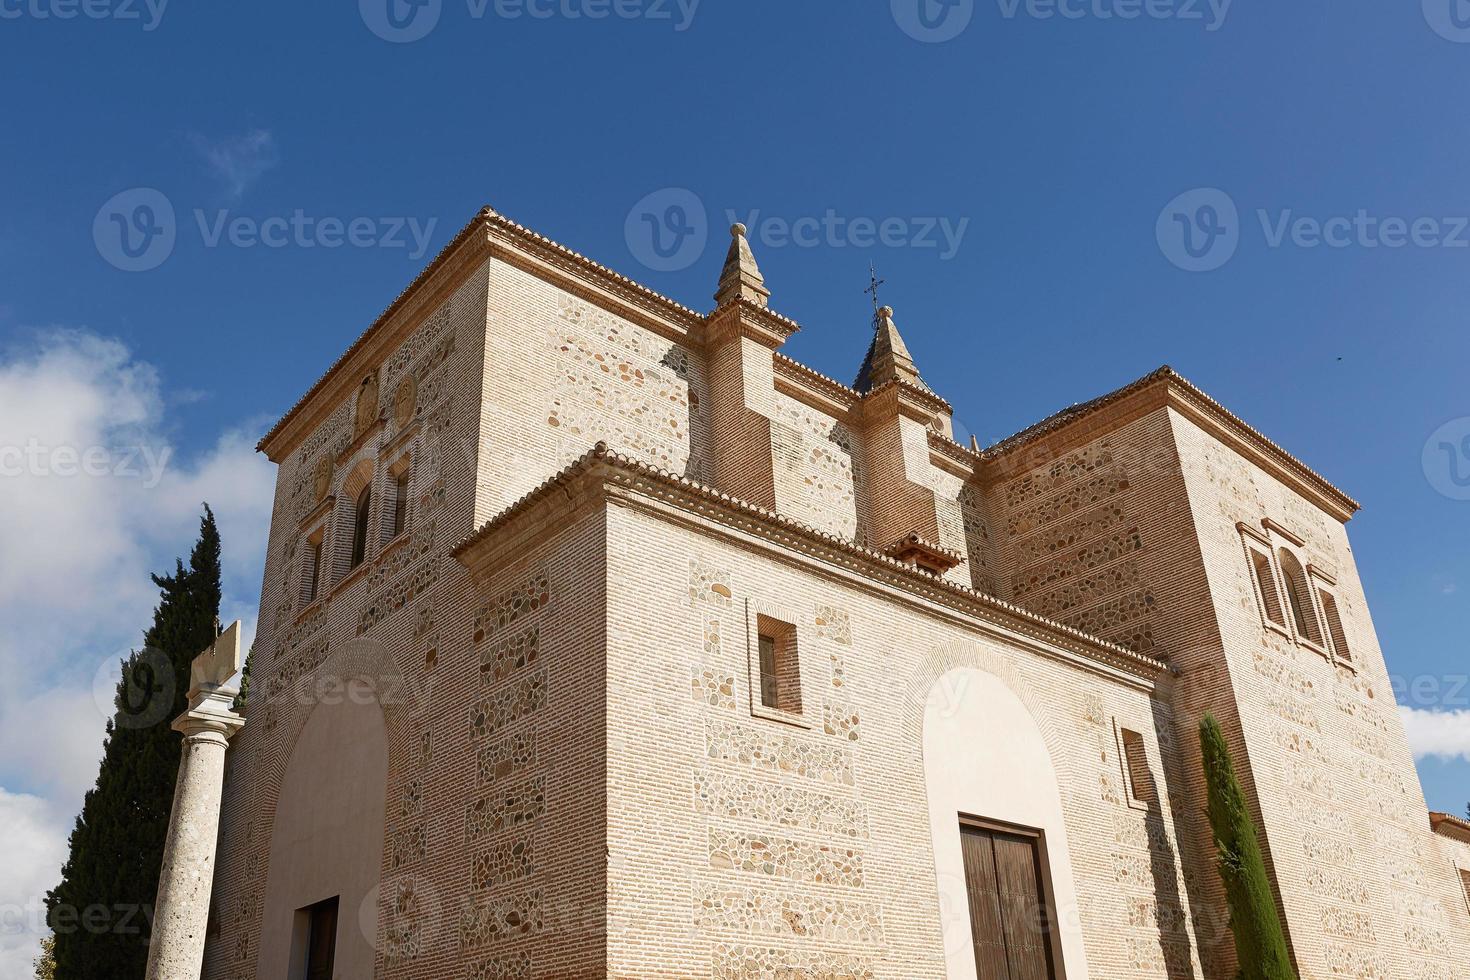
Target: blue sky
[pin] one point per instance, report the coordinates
(1048, 147)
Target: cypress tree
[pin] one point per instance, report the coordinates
(1260, 943)
(101, 913)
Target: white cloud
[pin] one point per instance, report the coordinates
(36, 850)
(99, 498)
(1445, 734)
(238, 161)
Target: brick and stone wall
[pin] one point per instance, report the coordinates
(580, 779)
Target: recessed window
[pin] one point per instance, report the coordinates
(1266, 586)
(320, 924)
(400, 504)
(780, 675)
(1141, 788)
(1303, 615)
(311, 570)
(1334, 626)
(362, 510)
(1465, 881)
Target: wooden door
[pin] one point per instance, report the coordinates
(1009, 920)
(321, 948)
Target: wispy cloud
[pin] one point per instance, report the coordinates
(85, 458)
(238, 161)
(1444, 734)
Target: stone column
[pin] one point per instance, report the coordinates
(181, 913)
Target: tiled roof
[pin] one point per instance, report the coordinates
(1449, 825)
(601, 455)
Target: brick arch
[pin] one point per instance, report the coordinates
(958, 780)
(981, 656)
(360, 658)
(400, 702)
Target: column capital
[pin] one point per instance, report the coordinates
(211, 710)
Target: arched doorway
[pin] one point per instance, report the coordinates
(327, 840)
(1008, 904)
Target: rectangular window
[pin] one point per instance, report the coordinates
(780, 674)
(321, 942)
(1465, 881)
(1334, 626)
(1010, 922)
(1266, 585)
(1141, 788)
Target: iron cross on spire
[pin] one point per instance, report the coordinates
(874, 283)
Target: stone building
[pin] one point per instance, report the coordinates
(599, 638)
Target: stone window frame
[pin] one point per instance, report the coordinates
(1285, 543)
(314, 543)
(1258, 546)
(1329, 616)
(1144, 798)
(1306, 599)
(403, 466)
(762, 615)
(362, 476)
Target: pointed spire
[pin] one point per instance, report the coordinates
(888, 357)
(741, 278)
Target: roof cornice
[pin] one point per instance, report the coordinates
(1165, 387)
(602, 465)
(461, 254)
(1451, 826)
(558, 263)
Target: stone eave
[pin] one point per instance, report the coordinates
(602, 468)
(491, 234)
(749, 320)
(1448, 825)
(905, 399)
(553, 262)
(1165, 387)
(951, 457)
(375, 343)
